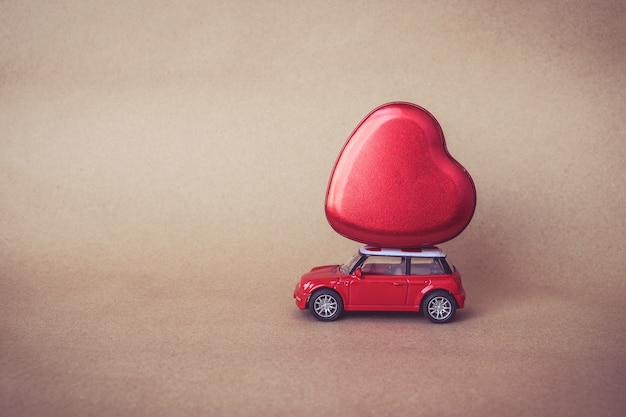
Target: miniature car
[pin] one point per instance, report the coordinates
(381, 279)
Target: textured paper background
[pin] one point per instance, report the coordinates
(162, 174)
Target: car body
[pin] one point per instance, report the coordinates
(383, 279)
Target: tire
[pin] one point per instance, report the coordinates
(439, 306)
(326, 305)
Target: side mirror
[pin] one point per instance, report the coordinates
(357, 273)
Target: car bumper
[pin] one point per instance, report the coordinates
(460, 299)
(300, 297)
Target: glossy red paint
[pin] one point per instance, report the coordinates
(405, 290)
(394, 183)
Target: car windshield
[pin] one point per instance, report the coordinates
(347, 267)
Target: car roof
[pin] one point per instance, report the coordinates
(429, 252)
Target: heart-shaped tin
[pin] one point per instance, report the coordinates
(395, 184)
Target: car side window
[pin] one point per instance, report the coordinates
(383, 265)
(426, 266)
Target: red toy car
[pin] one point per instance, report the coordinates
(380, 279)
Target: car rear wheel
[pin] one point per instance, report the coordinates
(439, 307)
(326, 305)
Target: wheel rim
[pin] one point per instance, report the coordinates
(439, 308)
(325, 306)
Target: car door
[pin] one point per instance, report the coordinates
(383, 282)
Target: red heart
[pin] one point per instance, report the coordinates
(395, 184)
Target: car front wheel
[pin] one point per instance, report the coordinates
(326, 305)
(439, 307)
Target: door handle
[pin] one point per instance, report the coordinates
(398, 283)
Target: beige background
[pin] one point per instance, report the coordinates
(163, 168)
